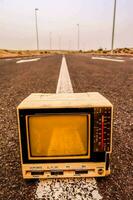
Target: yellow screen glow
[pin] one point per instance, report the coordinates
(57, 135)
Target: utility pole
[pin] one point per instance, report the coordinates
(69, 45)
(59, 40)
(78, 37)
(50, 40)
(36, 23)
(113, 29)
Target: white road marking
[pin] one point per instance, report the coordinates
(28, 60)
(63, 188)
(64, 83)
(108, 59)
(18, 58)
(119, 57)
(68, 188)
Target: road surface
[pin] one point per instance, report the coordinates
(112, 78)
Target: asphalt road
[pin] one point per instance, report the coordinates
(17, 81)
(112, 79)
(115, 81)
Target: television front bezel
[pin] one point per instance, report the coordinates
(22, 112)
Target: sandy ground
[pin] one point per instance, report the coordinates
(5, 53)
(21, 53)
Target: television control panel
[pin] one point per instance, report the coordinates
(102, 129)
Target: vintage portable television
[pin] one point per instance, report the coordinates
(65, 135)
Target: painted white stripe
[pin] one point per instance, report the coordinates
(68, 188)
(64, 83)
(108, 59)
(119, 57)
(28, 60)
(18, 58)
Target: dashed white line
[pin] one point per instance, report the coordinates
(108, 59)
(119, 57)
(67, 188)
(28, 60)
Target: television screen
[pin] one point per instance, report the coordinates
(58, 135)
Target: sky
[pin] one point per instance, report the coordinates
(59, 18)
